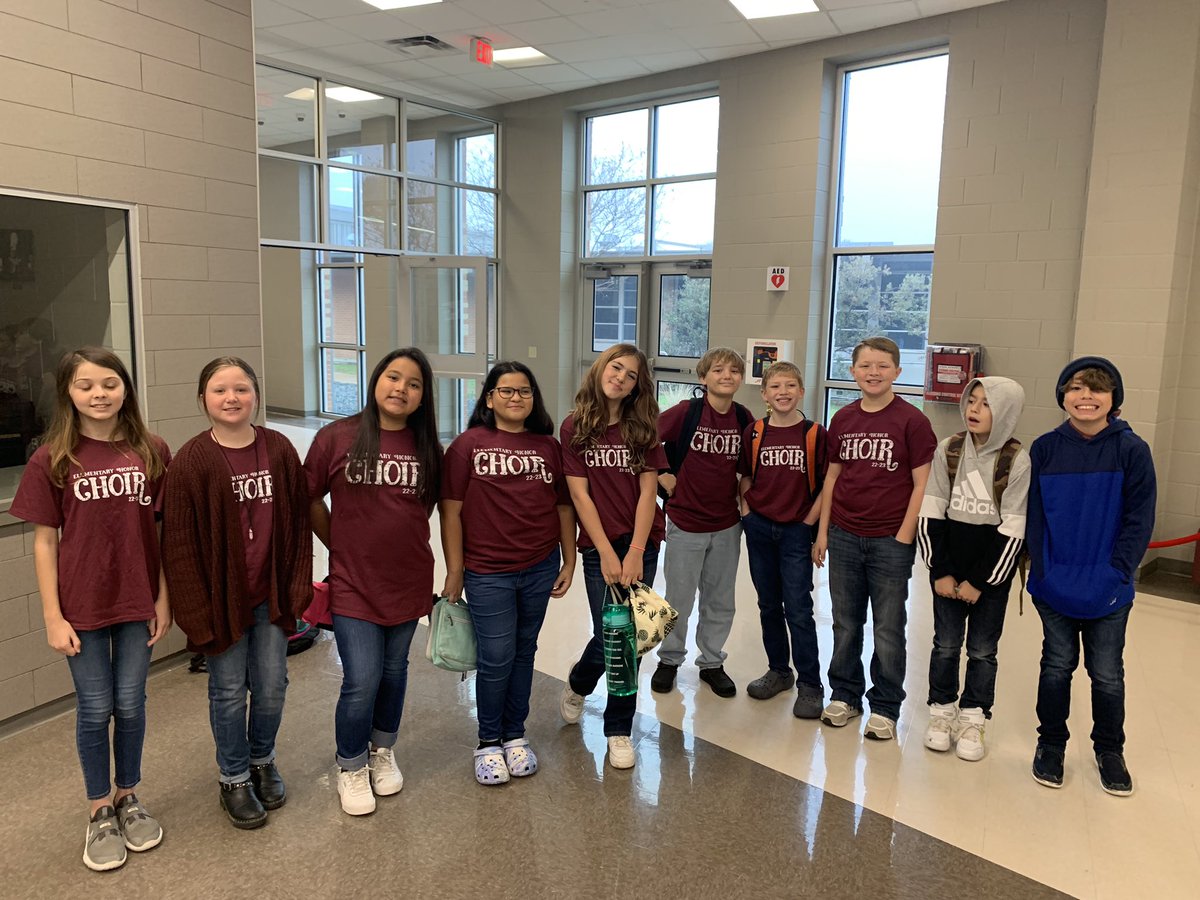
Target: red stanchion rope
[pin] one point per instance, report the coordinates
(1175, 542)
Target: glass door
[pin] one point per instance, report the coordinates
(444, 308)
(679, 306)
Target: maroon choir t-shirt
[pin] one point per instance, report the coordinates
(510, 486)
(612, 483)
(877, 452)
(779, 491)
(705, 497)
(108, 560)
(250, 476)
(380, 562)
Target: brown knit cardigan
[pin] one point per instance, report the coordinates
(204, 554)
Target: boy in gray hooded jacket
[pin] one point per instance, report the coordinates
(971, 532)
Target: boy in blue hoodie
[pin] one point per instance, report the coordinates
(1091, 512)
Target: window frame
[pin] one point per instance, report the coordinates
(826, 382)
(648, 184)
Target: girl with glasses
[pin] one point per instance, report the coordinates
(612, 458)
(382, 469)
(505, 512)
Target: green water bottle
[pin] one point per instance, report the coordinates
(620, 649)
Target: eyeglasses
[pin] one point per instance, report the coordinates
(506, 393)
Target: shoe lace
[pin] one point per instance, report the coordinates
(971, 732)
(383, 758)
(940, 724)
(574, 700)
(622, 742)
(359, 781)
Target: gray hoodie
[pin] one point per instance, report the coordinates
(961, 531)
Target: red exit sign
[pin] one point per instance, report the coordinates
(481, 51)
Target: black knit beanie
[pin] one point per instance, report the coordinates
(1091, 362)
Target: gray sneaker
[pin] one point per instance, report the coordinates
(140, 829)
(103, 848)
(809, 700)
(769, 685)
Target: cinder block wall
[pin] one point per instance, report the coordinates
(148, 102)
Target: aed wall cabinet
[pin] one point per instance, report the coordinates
(948, 369)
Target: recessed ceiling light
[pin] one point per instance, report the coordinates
(350, 94)
(521, 56)
(764, 9)
(400, 4)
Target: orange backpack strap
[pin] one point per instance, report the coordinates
(810, 459)
(760, 428)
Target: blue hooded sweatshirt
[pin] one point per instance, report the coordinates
(1091, 512)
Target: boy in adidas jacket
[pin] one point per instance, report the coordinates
(971, 532)
(1091, 512)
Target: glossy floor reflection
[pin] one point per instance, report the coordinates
(693, 818)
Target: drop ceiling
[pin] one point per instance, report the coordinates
(591, 41)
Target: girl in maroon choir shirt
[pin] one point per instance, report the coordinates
(505, 512)
(91, 492)
(382, 469)
(612, 458)
(238, 555)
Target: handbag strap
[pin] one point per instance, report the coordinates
(617, 597)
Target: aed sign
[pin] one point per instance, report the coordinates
(777, 278)
(481, 51)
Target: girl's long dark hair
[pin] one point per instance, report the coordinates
(62, 437)
(538, 422)
(422, 422)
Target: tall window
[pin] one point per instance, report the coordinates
(648, 194)
(347, 177)
(650, 180)
(890, 141)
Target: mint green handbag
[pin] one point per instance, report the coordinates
(452, 645)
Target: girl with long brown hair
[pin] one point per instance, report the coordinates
(91, 492)
(611, 456)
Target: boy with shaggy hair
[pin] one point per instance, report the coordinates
(703, 439)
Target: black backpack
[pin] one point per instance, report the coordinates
(677, 450)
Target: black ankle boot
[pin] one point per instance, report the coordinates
(242, 806)
(268, 785)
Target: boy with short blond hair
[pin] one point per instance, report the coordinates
(703, 440)
(1091, 512)
(880, 449)
(783, 466)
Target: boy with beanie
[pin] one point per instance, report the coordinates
(1091, 512)
(972, 533)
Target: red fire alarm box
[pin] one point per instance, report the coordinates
(948, 368)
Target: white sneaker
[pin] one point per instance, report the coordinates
(838, 713)
(355, 790)
(970, 746)
(385, 774)
(942, 720)
(570, 706)
(880, 728)
(620, 752)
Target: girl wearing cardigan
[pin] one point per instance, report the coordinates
(238, 558)
(91, 492)
(382, 470)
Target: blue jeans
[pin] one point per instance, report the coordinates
(374, 681)
(256, 663)
(109, 672)
(1103, 650)
(508, 609)
(586, 674)
(874, 571)
(980, 623)
(782, 571)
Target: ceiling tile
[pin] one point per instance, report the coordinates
(810, 27)
(665, 62)
(507, 12)
(327, 9)
(406, 69)
(528, 92)
(937, 7)
(636, 20)
(545, 31)
(612, 68)
(703, 37)
(714, 53)
(862, 18)
(550, 74)
(313, 34)
(268, 13)
(376, 26)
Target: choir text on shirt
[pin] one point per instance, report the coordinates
(127, 482)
